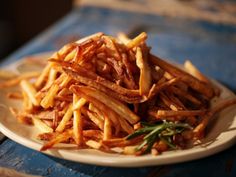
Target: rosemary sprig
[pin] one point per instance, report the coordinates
(163, 131)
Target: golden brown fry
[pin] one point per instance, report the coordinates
(6, 74)
(169, 103)
(51, 77)
(41, 125)
(93, 134)
(42, 76)
(86, 73)
(30, 91)
(96, 119)
(107, 128)
(137, 40)
(125, 126)
(191, 69)
(189, 79)
(145, 72)
(27, 104)
(58, 139)
(121, 142)
(111, 48)
(48, 100)
(15, 81)
(185, 95)
(169, 113)
(156, 88)
(99, 86)
(113, 104)
(94, 37)
(77, 121)
(93, 144)
(130, 150)
(14, 95)
(123, 38)
(78, 127)
(79, 103)
(65, 119)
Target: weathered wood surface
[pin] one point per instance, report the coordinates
(26, 160)
(211, 47)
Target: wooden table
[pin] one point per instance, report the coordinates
(211, 47)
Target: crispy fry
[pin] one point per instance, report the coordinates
(48, 100)
(123, 38)
(43, 76)
(169, 113)
(78, 127)
(145, 73)
(137, 40)
(113, 104)
(77, 121)
(65, 119)
(95, 37)
(14, 95)
(15, 81)
(58, 139)
(79, 103)
(5, 74)
(107, 129)
(186, 95)
(41, 125)
(93, 144)
(51, 77)
(111, 47)
(96, 119)
(27, 104)
(193, 82)
(99, 86)
(30, 91)
(156, 88)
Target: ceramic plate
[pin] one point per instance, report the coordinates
(221, 135)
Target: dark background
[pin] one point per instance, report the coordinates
(20, 20)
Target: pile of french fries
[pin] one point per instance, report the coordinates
(98, 91)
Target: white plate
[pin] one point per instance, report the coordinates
(221, 136)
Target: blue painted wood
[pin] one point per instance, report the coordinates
(29, 161)
(211, 47)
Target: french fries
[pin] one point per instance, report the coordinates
(104, 92)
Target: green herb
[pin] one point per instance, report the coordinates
(163, 131)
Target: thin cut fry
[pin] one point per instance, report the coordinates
(30, 91)
(193, 82)
(41, 125)
(137, 41)
(93, 144)
(60, 138)
(48, 100)
(65, 119)
(77, 121)
(170, 113)
(18, 79)
(79, 103)
(113, 104)
(107, 129)
(145, 73)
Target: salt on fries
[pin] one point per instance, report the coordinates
(103, 92)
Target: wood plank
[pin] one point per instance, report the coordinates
(20, 158)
